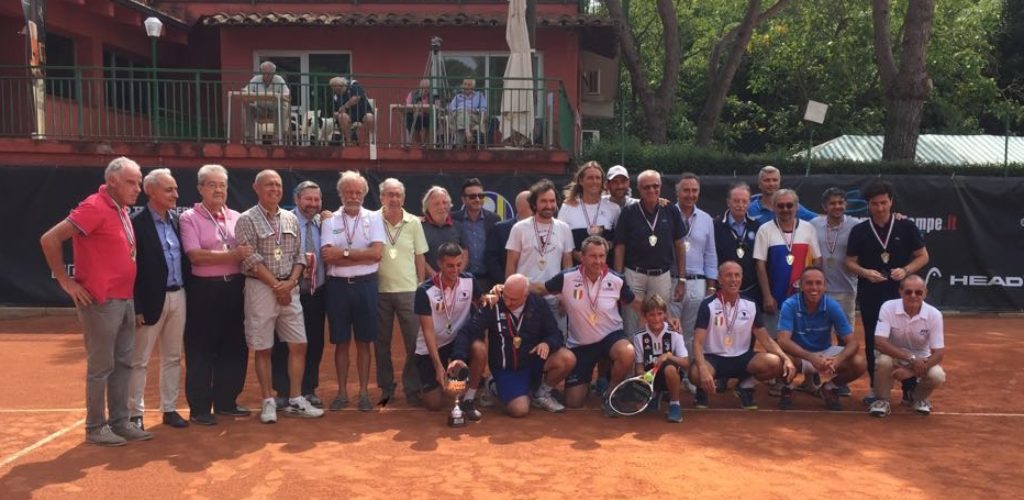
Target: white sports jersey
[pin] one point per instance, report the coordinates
(449, 309)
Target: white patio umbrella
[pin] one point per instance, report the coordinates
(517, 95)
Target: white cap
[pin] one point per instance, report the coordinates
(616, 171)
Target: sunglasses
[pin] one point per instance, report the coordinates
(909, 293)
(785, 206)
(475, 196)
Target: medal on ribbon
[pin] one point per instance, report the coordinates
(392, 239)
(653, 238)
(885, 244)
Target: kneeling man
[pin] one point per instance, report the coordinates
(723, 347)
(806, 322)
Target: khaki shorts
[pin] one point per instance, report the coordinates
(264, 316)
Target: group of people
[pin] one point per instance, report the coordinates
(541, 310)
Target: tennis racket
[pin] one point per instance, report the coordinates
(633, 395)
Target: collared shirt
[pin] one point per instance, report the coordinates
(103, 247)
(919, 334)
(201, 230)
(762, 215)
(648, 346)
(864, 245)
(274, 239)
(540, 261)
(363, 231)
(170, 245)
(449, 309)
(634, 231)
(813, 330)
(731, 236)
(592, 308)
(398, 272)
(474, 101)
(701, 256)
(770, 246)
(313, 228)
(833, 242)
(474, 237)
(448, 232)
(730, 331)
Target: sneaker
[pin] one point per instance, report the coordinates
(721, 385)
(831, 399)
(844, 391)
(810, 385)
(775, 388)
(675, 413)
(269, 413)
(488, 392)
(601, 386)
(700, 400)
(303, 409)
(137, 422)
(469, 410)
(364, 402)
(870, 398)
(314, 400)
(692, 389)
(746, 398)
(131, 433)
(339, 403)
(606, 408)
(281, 402)
(923, 406)
(548, 403)
(786, 398)
(104, 437)
(880, 408)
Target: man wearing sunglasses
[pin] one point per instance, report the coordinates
(910, 344)
(475, 222)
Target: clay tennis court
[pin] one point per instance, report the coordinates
(970, 447)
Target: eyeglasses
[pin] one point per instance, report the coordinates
(651, 186)
(785, 206)
(475, 196)
(216, 185)
(910, 293)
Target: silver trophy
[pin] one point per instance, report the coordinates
(457, 385)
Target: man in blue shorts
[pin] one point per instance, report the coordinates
(723, 344)
(525, 348)
(806, 322)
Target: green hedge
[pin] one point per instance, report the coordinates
(677, 158)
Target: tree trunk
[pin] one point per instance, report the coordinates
(721, 73)
(902, 126)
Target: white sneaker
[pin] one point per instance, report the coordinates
(692, 389)
(548, 402)
(923, 406)
(303, 409)
(880, 408)
(269, 413)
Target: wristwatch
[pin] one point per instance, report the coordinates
(345, 253)
(682, 280)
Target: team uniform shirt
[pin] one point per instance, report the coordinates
(590, 219)
(734, 241)
(634, 231)
(770, 246)
(903, 242)
(730, 328)
(592, 308)
(528, 240)
(104, 247)
(699, 241)
(355, 233)
(204, 230)
(532, 323)
(813, 331)
(449, 309)
(649, 346)
(919, 334)
(832, 241)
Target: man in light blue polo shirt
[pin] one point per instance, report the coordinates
(806, 322)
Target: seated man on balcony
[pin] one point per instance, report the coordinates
(350, 106)
(267, 83)
(466, 113)
(417, 119)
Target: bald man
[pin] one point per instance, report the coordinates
(526, 351)
(497, 237)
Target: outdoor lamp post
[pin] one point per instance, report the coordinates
(154, 28)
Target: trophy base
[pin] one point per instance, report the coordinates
(456, 421)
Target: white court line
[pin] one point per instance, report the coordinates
(38, 444)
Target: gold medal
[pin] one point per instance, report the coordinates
(541, 263)
(278, 253)
(727, 341)
(592, 319)
(393, 253)
(790, 259)
(595, 230)
(652, 239)
(517, 341)
(885, 257)
(740, 252)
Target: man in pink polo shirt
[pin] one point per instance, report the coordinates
(103, 289)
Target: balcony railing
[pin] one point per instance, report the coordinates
(190, 105)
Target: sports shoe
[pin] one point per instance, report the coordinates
(675, 413)
(469, 410)
(281, 402)
(844, 391)
(131, 433)
(831, 399)
(810, 384)
(923, 406)
(339, 403)
(601, 386)
(700, 400)
(104, 437)
(721, 385)
(488, 391)
(880, 408)
(137, 422)
(746, 398)
(606, 407)
(547, 402)
(870, 398)
(303, 409)
(775, 388)
(364, 402)
(786, 398)
(692, 389)
(269, 413)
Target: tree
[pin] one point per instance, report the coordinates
(655, 102)
(907, 85)
(722, 69)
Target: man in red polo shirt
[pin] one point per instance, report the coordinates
(102, 289)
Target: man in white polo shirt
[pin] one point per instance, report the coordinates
(910, 344)
(353, 243)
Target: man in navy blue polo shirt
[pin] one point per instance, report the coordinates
(806, 322)
(769, 180)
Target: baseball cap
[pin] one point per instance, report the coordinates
(616, 171)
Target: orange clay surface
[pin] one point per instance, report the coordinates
(971, 447)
